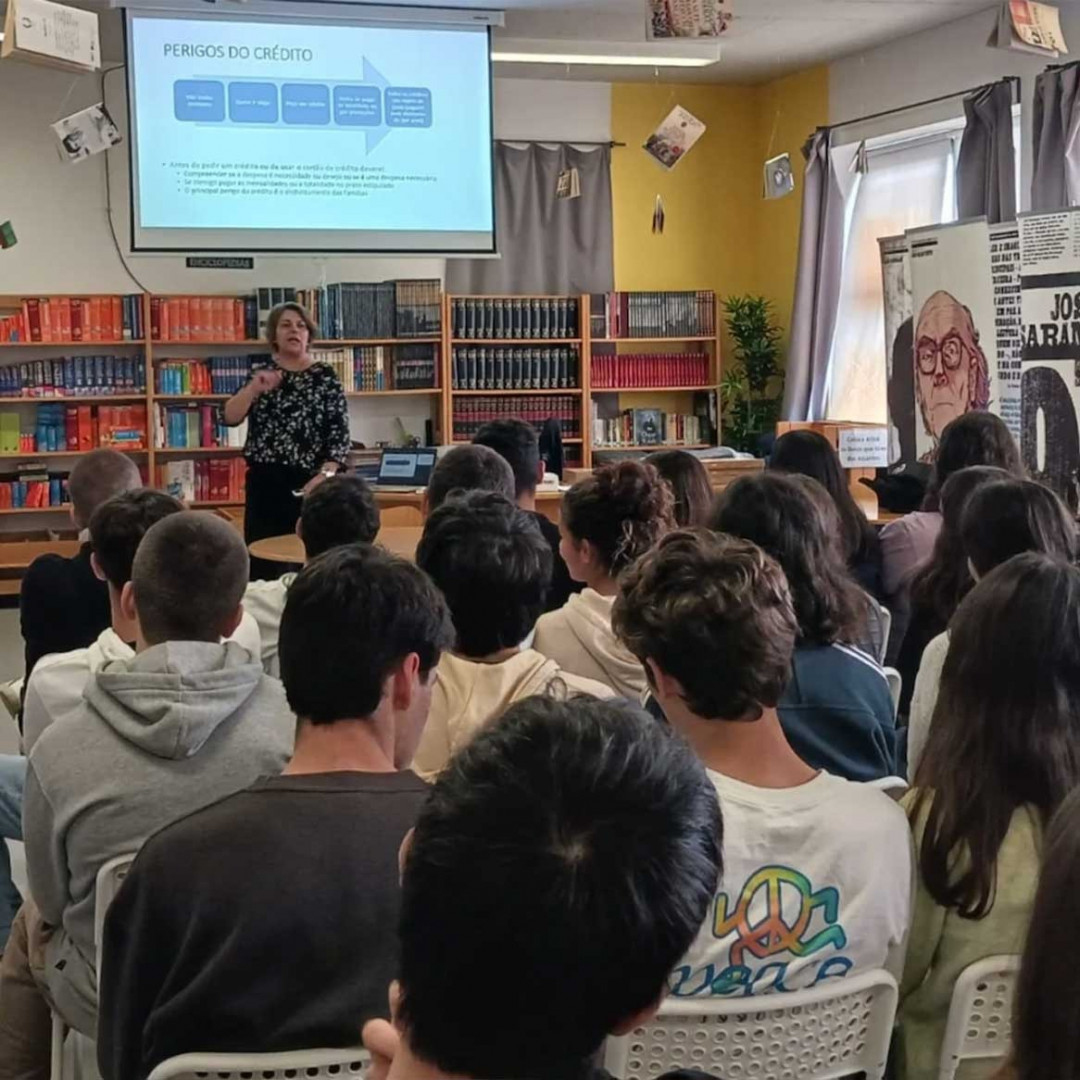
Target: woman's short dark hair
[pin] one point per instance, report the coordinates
(976, 438)
(1005, 732)
(574, 845)
(779, 514)
(351, 617)
(809, 453)
(622, 510)
(715, 613)
(689, 482)
(274, 318)
(1046, 1037)
(1012, 516)
(945, 579)
(492, 564)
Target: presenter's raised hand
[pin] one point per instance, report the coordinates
(265, 380)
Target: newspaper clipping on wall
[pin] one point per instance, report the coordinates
(1050, 362)
(1005, 274)
(896, 291)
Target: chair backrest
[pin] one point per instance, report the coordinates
(896, 682)
(308, 1064)
(886, 630)
(834, 1030)
(109, 879)
(980, 1013)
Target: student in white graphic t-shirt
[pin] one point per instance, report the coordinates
(817, 869)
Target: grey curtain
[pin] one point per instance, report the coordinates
(817, 281)
(548, 245)
(1055, 181)
(986, 167)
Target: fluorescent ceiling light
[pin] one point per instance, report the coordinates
(606, 59)
(605, 53)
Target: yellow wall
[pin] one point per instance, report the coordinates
(720, 233)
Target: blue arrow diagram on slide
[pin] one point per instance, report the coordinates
(375, 135)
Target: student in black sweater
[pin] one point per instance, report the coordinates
(266, 921)
(516, 441)
(63, 604)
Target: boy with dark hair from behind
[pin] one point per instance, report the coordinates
(516, 441)
(711, 619)
(563, 863)
(361, 634)
(340, 510)
(493, 566)
(185, 721)
(468, 468)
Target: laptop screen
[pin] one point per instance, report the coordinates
(406, 466)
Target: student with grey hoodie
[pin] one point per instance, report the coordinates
(186, 721)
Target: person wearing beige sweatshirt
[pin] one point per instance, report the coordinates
(608, 520)
(493, 565)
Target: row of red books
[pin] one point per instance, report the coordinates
(470, 414)
(203, 318)
(639, 370)
(62, 319)
(220, 480)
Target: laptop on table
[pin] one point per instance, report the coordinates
(405, 470)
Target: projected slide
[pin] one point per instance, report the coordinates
(310, 128)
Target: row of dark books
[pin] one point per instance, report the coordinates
(512, 317)
(645, 370)
(63, 319)
(74, 376)
(470, 414)
(388, 309)
(382, 367)
(653, 314)
(214, 375)
(519, 368)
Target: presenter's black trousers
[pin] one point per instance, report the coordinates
(272, 510)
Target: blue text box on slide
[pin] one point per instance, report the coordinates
(199, 99)
(305, 103)
(408, 107)
(253, 103)
(357, 106)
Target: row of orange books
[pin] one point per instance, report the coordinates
(203, 318)
(62, 319)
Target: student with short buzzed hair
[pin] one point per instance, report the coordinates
(187, 720)
(63, 605)
(468, 468)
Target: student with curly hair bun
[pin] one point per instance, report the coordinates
(609, 519)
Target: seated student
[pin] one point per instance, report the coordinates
(517, 442)
(836, 709)
(999, 520)
(468, 468)
(187, 720)
(63, 604)
(187, 950)
(937, 589)
(341, 510)
(561, 866)
(689, 483)
(493, 566)
(1045, 1035)
(608, 520)
(711, 619)
(809, 453)
(976, 438)
(1000, 759)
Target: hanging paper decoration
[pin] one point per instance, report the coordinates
(7, 235)
(658, 216)
(779, 179)
(677, 133)
(568, 184)
(665, 19)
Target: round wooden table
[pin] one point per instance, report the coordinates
(399, 540)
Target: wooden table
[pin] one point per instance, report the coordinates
(399, 540)
(407, 507)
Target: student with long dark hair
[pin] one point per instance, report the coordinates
(1046, 1036)
(1000, 520)
(836, 711)
(689, 483)
(809, 453)
(1003, 752)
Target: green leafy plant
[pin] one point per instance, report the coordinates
(752, 384)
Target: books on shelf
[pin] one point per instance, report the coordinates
(470, 414)
(74, 429)
(214, 375)
(653, 314)
(62, 319)
(190, 426)
(649, 427)
(644, 370)
(219, 480)
(74, 376)
(365, 310)
(382, 367)
(203, 318)
(514, 317)
(493, 367)
(33, 486)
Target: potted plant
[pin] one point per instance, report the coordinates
(752, 384)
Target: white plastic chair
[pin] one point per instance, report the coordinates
(896, 682)
(834, 1030)
(980, 1013)
(309, 1064)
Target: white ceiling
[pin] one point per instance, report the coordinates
(767, 37)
